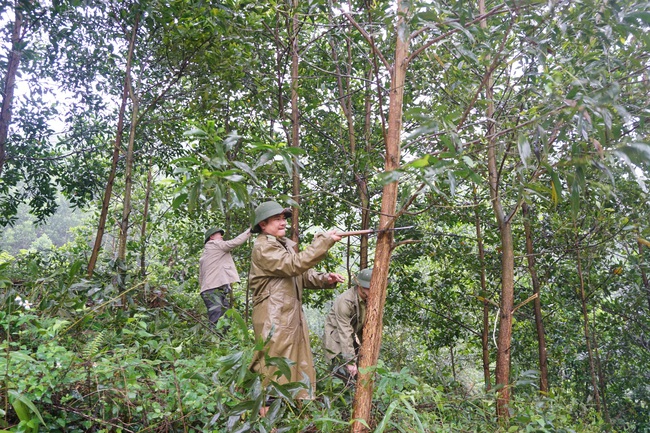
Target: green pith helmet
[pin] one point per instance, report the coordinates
(267, 210)
(209, 232)
(363, 277)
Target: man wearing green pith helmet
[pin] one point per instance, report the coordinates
(277, 277)
(217, 270)
(344, 327)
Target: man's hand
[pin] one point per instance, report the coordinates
(352, 368)
(335, 278)
(334, 235)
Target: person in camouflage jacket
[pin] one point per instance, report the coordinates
(344, 328)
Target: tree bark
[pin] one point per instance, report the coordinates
(585, 319)
(13, 62)
(361, 175)
(644, 275)
(364, 198)
(128, 187)
(453, 362)
(373, 328)
(295, 123)
(485, 331)
(143, 227)
(537, 303)
(502, 371)
(108, 192)
(601, 380)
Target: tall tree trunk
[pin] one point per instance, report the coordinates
(108, 192)
(364, 199)
(644, 275)
(13, 62)
(502, 371)
(128, 187)
(585, 319)
(485, 331)
(453, 362)
(372, 331)
(360, 177)
(537, 303)
(143, 227)
(601, 379)
(295, 122)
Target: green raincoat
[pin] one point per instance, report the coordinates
(277, 277)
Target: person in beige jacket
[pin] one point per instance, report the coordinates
(277, 277)
(344, 328)
(217, 271)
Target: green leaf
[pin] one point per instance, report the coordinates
(556, 185)
(74, 269)
(178, 200)
(460, 27)
(575, 199)
(231, 360)
(282, 390)
(524, 148)
(287, 161)
(419, 163)
(20, 356)
(452, 182)
(275, 411)
(389, 176)
(283, 365)
(235, 178)
(191, 160)
(24, 400)
(242, 407)
(428, 15)
(195, 132)
(21, 410)
(236, 317)
(634, 16)
(245, 168)
(384, 421)
(411, 411)
(637, 153)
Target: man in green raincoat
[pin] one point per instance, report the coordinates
(344, 327)
(277, 277)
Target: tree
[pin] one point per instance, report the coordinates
(373, 328)
(13, 62)
(539, 323)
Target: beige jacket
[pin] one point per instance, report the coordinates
(344, 325)
(216, 266)
(277, 277)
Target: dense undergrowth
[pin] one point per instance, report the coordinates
(77, 356)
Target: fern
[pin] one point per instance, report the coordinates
(92, 347)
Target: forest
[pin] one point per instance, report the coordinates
(497, 154)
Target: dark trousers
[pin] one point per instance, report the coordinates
(216, 301)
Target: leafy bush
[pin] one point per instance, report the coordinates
(77, 356)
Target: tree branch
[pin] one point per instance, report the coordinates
(370, 41)
(426, 45)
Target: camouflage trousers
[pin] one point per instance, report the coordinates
(217, 302)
